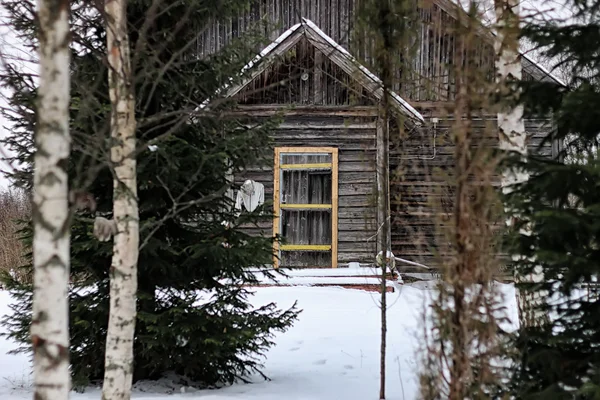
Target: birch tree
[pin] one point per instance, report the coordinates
(50, 320)
(118, 374)
(511, 126)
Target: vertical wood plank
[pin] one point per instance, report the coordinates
(318, 78)
(334, 208)
(333, 15)
(343, 40)
(276, 207)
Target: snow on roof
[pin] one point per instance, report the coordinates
(308, 24)
(265, 52)
(333, 44)
(271, 47)
(543, 69)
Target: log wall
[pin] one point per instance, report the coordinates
(354, 135)
(421, 195)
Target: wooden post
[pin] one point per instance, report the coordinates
(334, 208)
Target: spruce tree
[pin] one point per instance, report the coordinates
(194, 312)
(557, 214)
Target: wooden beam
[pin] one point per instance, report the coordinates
(311, 109)
(305, 247)
(306, 166)
(304, 150)
(306, 206)
(334, 209)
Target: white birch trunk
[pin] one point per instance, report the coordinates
(118, 364)
(50, 319)
(511, 126)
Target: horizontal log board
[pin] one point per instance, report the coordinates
(363, 257)
(357, 213)
(357, 201)
(299, 113)
(358, 245)
(351, 224)
(353, 166)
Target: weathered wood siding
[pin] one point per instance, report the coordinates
(304, 76)
(334, 17)
(421, 195)
(354, 136)
(426, 74)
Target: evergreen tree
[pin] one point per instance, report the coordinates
(194, 314)
(557, 213)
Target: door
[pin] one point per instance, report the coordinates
(306, 202)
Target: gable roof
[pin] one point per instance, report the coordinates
(331, 50)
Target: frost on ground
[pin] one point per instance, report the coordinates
(332, 352)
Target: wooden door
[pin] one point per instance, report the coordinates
(306, 202)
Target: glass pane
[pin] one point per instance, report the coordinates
(306, 187)
(306, 227)
(310, 259)
(305, 158)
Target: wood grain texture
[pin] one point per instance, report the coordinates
(435, 43)
(334, 211)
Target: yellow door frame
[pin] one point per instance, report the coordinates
(334, 199)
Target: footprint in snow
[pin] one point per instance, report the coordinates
(348, 366)
(320, 362)
(295, 349)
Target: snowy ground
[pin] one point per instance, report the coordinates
(330, 353)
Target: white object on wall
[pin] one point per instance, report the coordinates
(250, 196)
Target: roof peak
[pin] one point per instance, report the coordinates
(331, 50)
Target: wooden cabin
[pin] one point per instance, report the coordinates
(323, 181)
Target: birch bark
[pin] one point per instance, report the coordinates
(511, 127)
(50, 320)
(118, 375)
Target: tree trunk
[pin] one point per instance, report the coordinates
(384, 62)
(511, 126)
(463, 268)
(50, 320)
(118, 375)
(511, 129)
(383, 212)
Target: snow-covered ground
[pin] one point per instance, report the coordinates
(330, 353)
